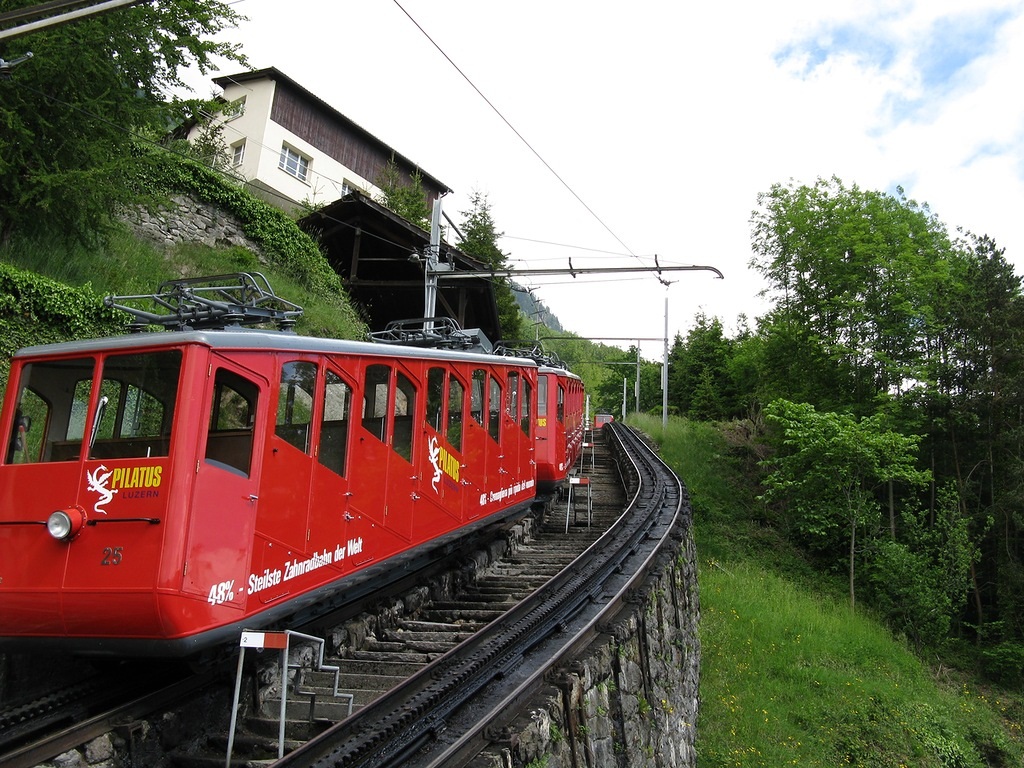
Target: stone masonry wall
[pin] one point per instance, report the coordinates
(189, 221)
(631, 702)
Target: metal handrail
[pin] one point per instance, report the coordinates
(261, 640)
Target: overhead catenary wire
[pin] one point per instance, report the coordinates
(514, 130)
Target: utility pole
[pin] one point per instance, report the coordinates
(664, 374)
(433, 267)
(636, 386)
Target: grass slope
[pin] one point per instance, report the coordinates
(128, 265)
(789, 674)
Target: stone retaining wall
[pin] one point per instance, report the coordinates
(631, 702)
(189, 221)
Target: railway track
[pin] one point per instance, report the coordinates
(52, 723)
(430, 689)
(442, 715)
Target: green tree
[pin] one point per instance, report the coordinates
(404, 196)
(973, 417)
(480, 240)
(854, 274)
(828, 470)
(700, 384)
(746, 370)
(75, 119)
(919, 581)
(878, 311)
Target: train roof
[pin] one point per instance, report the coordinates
(266, 340)
(558, 370)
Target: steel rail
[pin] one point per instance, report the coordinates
(396, 726)
(55, 743)
(454, 748)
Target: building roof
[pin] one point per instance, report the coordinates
(377, 252)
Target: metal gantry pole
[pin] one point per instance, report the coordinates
(432, 267)
(664, 374)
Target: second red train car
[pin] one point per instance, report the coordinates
(560, 427)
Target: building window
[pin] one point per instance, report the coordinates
(293, 163)
(238, 153)
(234, 109)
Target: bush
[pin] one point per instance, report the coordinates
(37, 310)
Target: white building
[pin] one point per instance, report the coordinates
(292, 147)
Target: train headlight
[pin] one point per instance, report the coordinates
(64, 524)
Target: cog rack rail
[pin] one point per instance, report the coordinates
(213, 302)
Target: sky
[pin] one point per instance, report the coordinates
(609, 133)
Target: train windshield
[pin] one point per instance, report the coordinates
(132, 416)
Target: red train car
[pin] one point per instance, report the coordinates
(560, 425)
(161, 491)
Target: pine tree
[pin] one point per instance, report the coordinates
(480, 240)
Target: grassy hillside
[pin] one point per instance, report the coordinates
(790, 676)
(52, 289)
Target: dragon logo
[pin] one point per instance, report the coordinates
(434, 454)
(98, 481)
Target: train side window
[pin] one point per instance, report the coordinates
(512, 396)
(405, 410)
(53, 401)
(136, 406)
(494, 410)
(524, 400)
(560, 408)
(79, 410)
(375, 400)
(295, 403)
(334, 429)
(435, 397)
(478, 396)
(232, 417)
(456, 397)
(25, 445)
(542, 396)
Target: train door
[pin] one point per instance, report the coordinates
(330, 498)
(226, 491)
(403, 480)
(287, 462)
(455, 429)
(476, 445)
(383, 484)
(528, 467)
(441, 484)
(497, 460)
(369, 475)
(545, 452)
(516, 426)
(562, 428)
